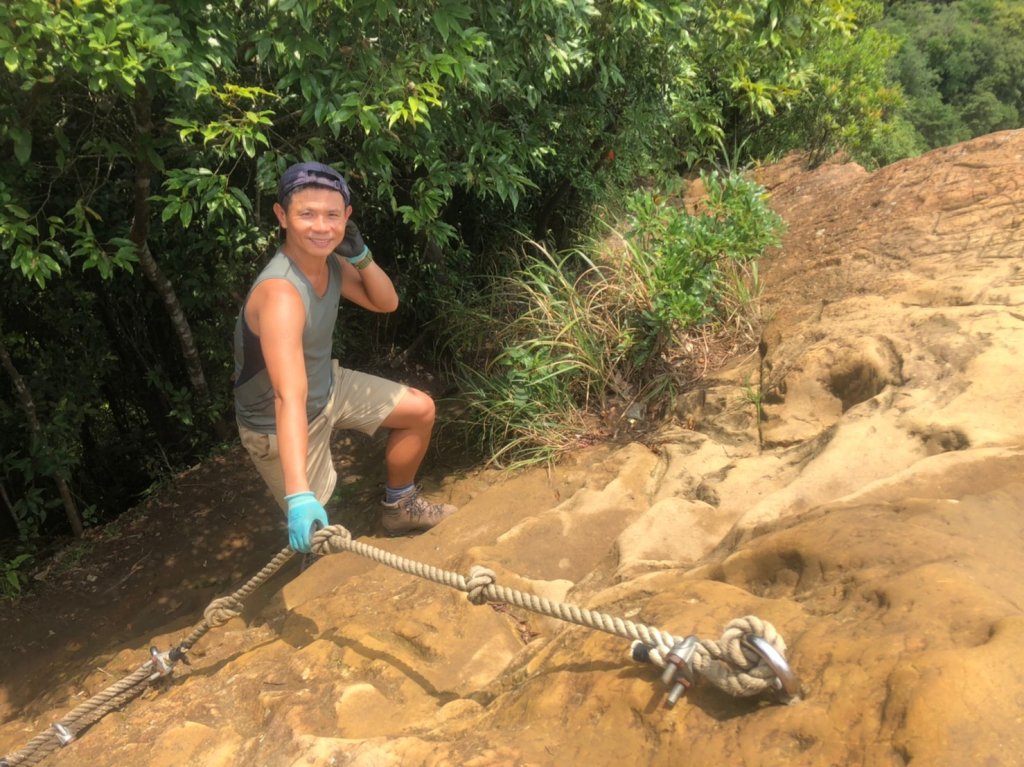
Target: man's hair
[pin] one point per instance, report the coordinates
(306, 174)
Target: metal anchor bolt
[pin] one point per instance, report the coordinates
(678, 675)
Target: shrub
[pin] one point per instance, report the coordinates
(571, 342)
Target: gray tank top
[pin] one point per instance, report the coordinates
(254, 396)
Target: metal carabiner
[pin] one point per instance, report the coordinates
(786, 681)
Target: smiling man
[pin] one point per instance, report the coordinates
(290, 394)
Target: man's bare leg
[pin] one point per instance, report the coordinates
(411, 424)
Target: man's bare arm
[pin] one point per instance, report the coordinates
(277, 315)
(370, 288)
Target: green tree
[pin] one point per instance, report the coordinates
(37, 443)
(80, 84)
(961, 65)
(145, 139)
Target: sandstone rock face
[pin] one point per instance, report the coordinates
(876, 519)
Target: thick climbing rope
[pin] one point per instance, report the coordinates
(61, 733)
(727, 663)
(731, 663)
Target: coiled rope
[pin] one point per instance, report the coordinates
(728, 663)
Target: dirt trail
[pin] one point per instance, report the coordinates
(878, 527)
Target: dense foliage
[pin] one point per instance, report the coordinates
(961, 66)
(143, 141)
(574, 346)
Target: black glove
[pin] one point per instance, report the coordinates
(352, 248)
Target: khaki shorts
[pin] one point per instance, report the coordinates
(358, 401)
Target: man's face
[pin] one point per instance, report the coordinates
(314, 222)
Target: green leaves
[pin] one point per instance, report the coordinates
(194, 190)
(684, 256)
(109, 44)
(567, 343)
(240, 127)
(960, 64)
(19, 236)
(447, 16)
(459, 123)
(751, 61)
(15, 575)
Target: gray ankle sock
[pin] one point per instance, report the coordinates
(392, 494)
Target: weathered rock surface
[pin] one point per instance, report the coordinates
(879, 526)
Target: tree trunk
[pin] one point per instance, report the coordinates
(9, 506)
(29, 406)
(139, 235)
(178, 319)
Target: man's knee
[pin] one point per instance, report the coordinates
(415, 410)
(422, 406)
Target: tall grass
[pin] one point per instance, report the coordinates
(570, 344)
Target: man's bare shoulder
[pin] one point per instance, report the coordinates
(275, 288)
(275, 299)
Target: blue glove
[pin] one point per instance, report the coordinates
(304, 510)
(352, 248)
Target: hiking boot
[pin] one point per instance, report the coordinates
(412, 513)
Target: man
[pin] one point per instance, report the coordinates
(290, 394)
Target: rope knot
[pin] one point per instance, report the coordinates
(221, 610)
(739, 653)
(479, 579)
(734, 664)
(332, 539)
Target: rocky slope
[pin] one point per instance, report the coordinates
(875, 516)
